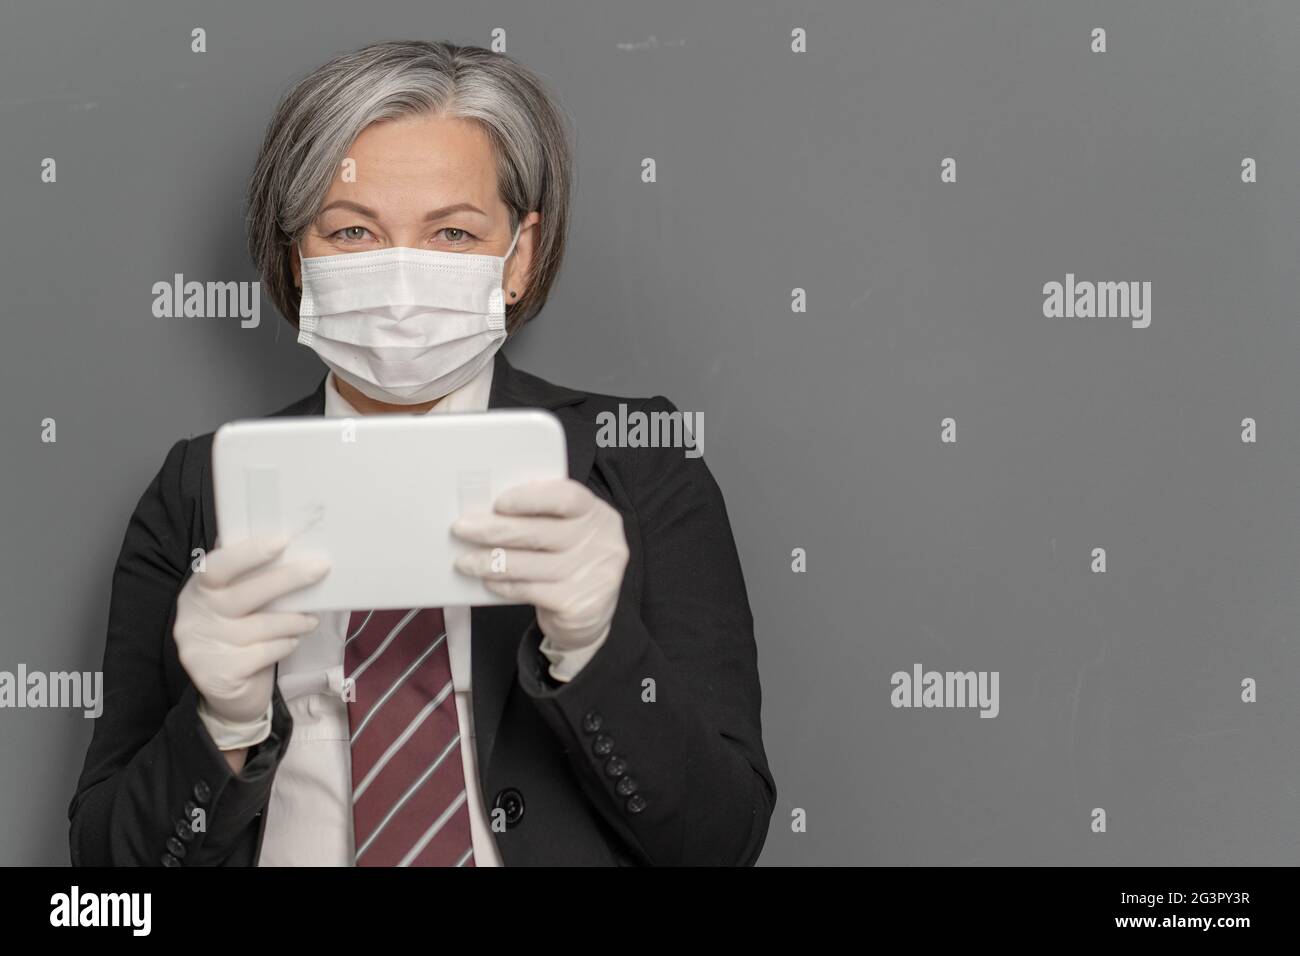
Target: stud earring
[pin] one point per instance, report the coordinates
(513, 293)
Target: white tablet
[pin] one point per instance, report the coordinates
(377, 496)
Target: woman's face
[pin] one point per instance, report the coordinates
(423, 182)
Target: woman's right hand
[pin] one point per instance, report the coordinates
(226, 644)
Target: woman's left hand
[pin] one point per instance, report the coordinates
(556, 546)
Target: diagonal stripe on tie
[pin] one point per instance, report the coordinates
(396, 685)
(397, 744)
(392, 636)
(409, 802)
(413, 789)
(434, 829)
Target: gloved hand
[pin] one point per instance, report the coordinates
(228, 647)
(556, 546)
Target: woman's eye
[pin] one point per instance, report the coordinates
(457, 235)
(352, 233)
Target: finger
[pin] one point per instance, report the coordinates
(518, 592)
(226, 563)
(561, 498)
(530, 534)
(254, 591)
(501, 564)
(270, 626)
(257, 657)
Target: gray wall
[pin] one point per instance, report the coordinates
(776, 170)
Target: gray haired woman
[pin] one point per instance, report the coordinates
(407, 213)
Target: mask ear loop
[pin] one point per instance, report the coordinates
(501, 292)
(306, 323)
(518, 228)
(497, 300)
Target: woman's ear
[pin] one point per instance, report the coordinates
(295, 265)
(516, 277)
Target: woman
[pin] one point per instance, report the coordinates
(407, 212)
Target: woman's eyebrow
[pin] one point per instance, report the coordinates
(348, 204)
(429, 217)
(448, 210)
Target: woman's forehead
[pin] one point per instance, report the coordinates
(419, 163)
(425, 141)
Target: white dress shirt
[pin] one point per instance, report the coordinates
(309, 817)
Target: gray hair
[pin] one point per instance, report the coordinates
(318, 120)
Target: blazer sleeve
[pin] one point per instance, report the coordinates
(662, 724)
(154, 789)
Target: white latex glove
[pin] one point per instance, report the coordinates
(228, 647)
(556, 546)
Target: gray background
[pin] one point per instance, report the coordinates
(776, 171)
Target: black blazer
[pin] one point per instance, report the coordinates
(561, 760)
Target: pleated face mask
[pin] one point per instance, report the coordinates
(404, 326)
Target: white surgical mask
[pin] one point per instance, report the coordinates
(404, 326)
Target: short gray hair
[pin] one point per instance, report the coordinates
(318, 120)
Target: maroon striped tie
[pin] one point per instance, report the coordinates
(408, 786)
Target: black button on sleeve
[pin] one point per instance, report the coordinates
(616, 767)
(591, 722)
(183, 830)
(176, 848)
(202, 792)
(626, 787)
(603, 745)
(635, 803)
(169, 860)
